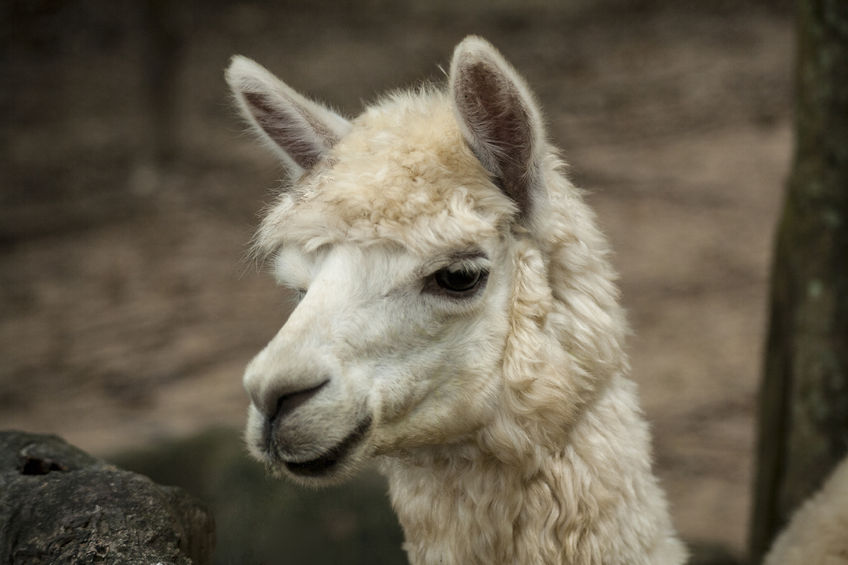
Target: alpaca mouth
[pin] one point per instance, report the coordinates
(325, 463)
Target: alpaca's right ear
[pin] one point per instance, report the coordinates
(498, 117)
(300, 131)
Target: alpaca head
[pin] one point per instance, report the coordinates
(404, 233)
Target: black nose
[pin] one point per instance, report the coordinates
(286, 403)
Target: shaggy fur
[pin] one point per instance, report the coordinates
(502, 415)
(818, 532)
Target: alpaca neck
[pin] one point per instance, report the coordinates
(593, 499)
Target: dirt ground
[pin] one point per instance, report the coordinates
(128, 311)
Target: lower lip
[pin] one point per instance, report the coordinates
(326, 463)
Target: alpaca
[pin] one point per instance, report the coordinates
(457, 322)
(816, 533)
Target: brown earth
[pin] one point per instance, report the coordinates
(127, 309)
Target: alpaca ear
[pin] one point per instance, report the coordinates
(300, 131)
(498, 117)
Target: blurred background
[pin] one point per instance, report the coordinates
(129, 191)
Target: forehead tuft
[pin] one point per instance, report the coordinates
(403, 174)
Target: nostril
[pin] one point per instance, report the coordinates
(289, 401)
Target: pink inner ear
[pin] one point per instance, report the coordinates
(499, 122)
(290, 128)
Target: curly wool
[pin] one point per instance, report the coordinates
(816, 533)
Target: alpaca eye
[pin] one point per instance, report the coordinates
(458, 282)
(297, 295)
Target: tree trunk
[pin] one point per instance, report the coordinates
(803, 421)
(166, 29)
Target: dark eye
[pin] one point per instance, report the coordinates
(297, 295)
(459, 282)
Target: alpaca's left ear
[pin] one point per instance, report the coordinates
(498, 116)
(299, 130)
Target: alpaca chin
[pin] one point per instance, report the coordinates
(316, 466)
(335, 464)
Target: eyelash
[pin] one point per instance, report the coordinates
(459, 281)
(296, 295)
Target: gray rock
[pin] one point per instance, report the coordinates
(60, 505)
